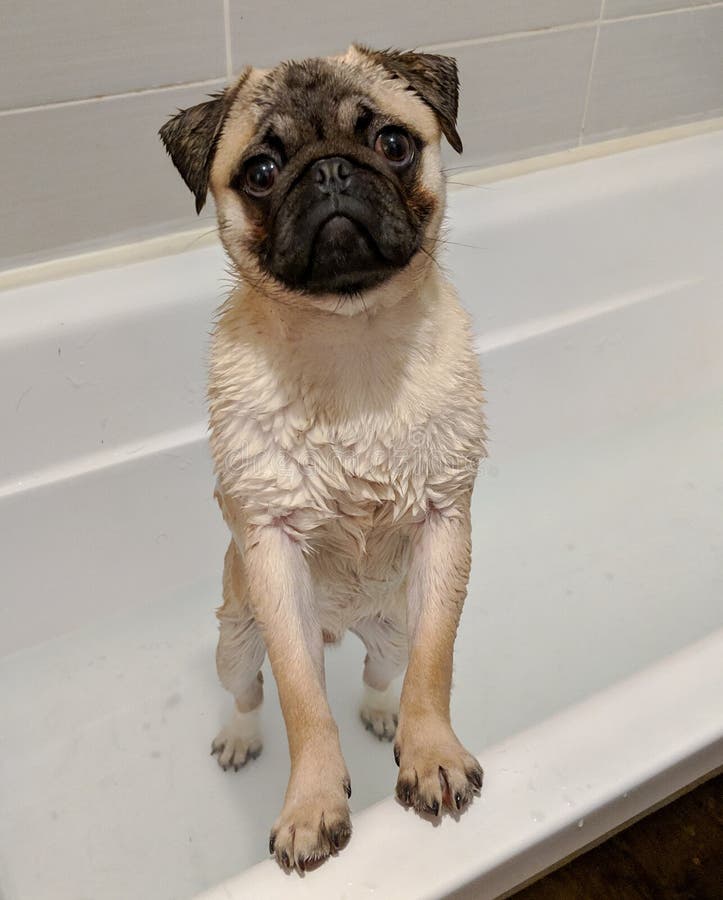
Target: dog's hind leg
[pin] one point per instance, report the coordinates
(386, 645)
(239, 656)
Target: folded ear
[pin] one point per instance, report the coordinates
(433, 77)
(191, 136)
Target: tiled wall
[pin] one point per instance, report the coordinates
(86, 84)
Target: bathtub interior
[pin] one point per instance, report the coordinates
(595, 291)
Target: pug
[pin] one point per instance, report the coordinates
(345, 418)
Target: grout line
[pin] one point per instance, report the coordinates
(666, 12)
(593, 60)
(142, 92)
(227, 34)
(507, 36)
(448, 45)
(570, 26)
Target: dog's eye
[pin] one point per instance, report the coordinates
(260, 175)
(395, 146)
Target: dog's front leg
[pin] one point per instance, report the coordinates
(435, 770)
(314, 821)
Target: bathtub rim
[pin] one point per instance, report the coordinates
(502, 841)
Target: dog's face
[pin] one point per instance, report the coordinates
(326, 173)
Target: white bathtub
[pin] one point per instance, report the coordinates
(589, 667)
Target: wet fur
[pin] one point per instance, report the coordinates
(346, 433)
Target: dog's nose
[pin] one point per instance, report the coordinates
(332, 175)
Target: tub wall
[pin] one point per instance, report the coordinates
(86, 86)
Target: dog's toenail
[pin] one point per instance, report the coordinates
(272, 843)
(347, 788)
(285, 859)
(396, 754)
(435, 808)
(458, 800)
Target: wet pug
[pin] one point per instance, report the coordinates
(345, 414)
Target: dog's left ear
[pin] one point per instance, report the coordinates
(433, 77)
(191, 136)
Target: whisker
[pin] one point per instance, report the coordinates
(200, 237)
(461, 168)
(433, 258)
(479, 187)
(458, 244)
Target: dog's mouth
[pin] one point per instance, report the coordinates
(344, 258)
(339, 244)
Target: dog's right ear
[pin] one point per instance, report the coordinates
(191, 136)
(433, 77)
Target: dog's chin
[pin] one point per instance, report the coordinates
(344, 260)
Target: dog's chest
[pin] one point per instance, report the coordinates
(344, 483)
(346, 446)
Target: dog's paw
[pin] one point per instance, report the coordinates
(315, 822)
(379, 712)
(435, 771)
(239, 741)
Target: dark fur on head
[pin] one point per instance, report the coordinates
(308, 234)
(304, 237)
(191, 135)
(433, 77)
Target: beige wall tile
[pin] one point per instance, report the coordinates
(522, 96)
(617, 8)
(656, 71)
(54, 51)
(90, 174)
(264, 33)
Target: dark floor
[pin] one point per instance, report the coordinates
(675, 853)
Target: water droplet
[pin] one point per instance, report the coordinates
(580, 823)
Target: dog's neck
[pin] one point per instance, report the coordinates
(353, 364)
(299, 329)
